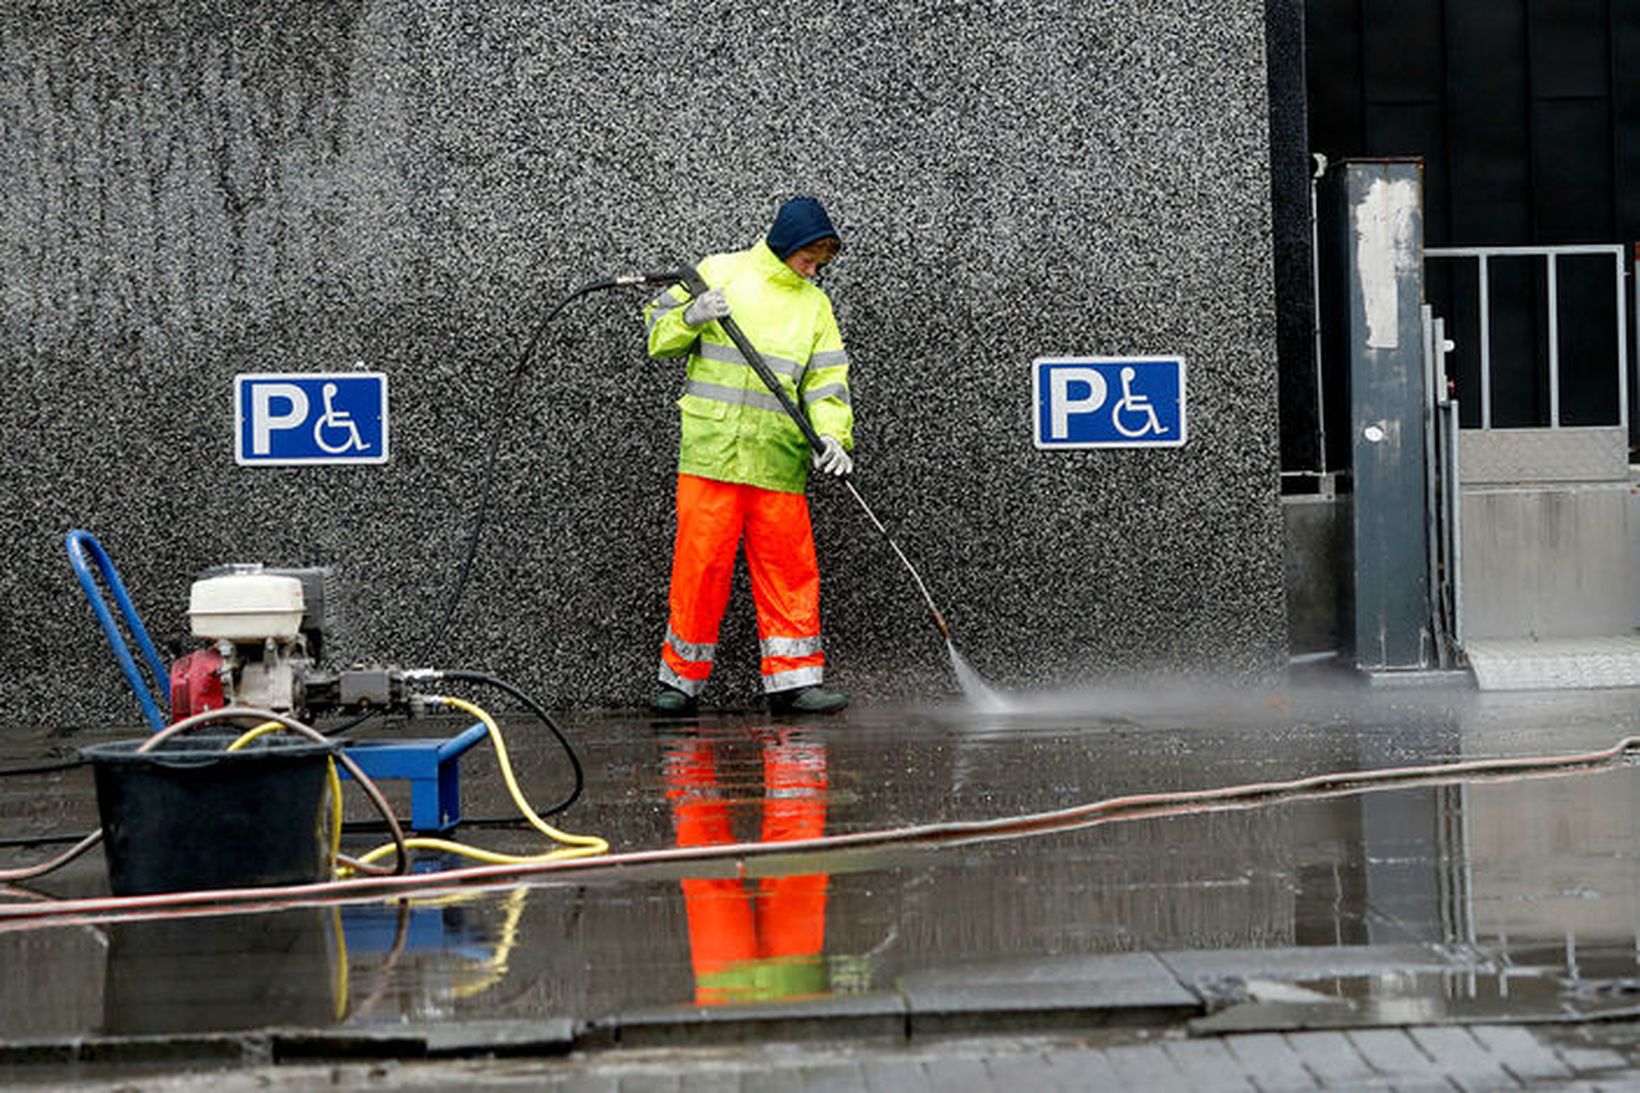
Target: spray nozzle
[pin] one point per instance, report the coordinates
(685, 275)
(940, 623)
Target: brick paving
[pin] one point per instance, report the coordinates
(1438, 1057)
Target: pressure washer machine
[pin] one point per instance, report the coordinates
(267, 628)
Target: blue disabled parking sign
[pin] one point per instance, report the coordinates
(1109, 402)
(310, 417)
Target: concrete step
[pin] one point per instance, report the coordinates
(1531, 664)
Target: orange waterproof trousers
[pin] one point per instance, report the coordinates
(712, 516)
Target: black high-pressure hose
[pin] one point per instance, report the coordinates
(507, 403)
(540, 712)
(504, 411)
(504, 408)
(546, 719)
(42, 768)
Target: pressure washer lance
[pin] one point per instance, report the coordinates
(691, 280)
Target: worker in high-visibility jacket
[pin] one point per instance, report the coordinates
(743, 463)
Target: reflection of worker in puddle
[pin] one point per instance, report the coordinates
(753, 940)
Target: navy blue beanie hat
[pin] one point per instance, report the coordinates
(800, 221)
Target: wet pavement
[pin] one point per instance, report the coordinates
(1477, 902)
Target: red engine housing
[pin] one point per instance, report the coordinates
(196, 684)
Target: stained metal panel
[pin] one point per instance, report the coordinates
(1383, 247)
(1550, 561)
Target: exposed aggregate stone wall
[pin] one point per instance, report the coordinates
(197, 190)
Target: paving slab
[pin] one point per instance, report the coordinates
(1269, 1056)
(833, 1078)
(1462, 1058)
(1030, 1071)
(1331, 1058)
(1207, 1064)
(1585, 1059)
(959, 1074)
(592, 1083)
(1148, 1067)
(772, 1081)
(875, 1015)
(1392, 1053)
(896, 1076)
(649, 1083)
(1083, 1069)
(1520, 1053)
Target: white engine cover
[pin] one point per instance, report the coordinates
(246, 607)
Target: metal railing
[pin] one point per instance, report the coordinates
(1442, 514)
(1552, 255)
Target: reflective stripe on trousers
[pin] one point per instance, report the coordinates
(712, 518)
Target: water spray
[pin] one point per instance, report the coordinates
(933, 609)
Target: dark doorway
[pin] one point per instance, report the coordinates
(1530, 135)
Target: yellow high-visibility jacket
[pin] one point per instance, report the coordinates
(733, 428)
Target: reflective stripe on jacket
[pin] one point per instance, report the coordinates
(733, 427)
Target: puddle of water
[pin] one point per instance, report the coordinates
(1514, 868)
(1514, 987)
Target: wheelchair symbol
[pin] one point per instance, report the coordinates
(1140, 416)
(333, 419)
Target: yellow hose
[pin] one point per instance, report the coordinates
(495, 968)
(575, 846)
(261, 730)
(343, 973)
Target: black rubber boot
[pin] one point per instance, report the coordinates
(807, 700)
(674, 703)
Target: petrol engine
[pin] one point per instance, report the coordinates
(266, 628)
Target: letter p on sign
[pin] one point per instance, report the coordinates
(1064, 402)
(292, 409)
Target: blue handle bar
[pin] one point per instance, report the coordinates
(80, 544)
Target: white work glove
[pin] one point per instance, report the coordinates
(709, 305)
(832, 459)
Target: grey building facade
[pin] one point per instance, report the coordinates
(198, 191)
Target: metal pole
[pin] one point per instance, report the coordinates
(1315, 302)
(1554, 344)
(1455, 501)
(1451, 492)
(1432, 523)
(1623, 341)
(1486, 345)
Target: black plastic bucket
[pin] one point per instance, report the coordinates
(190, 815)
